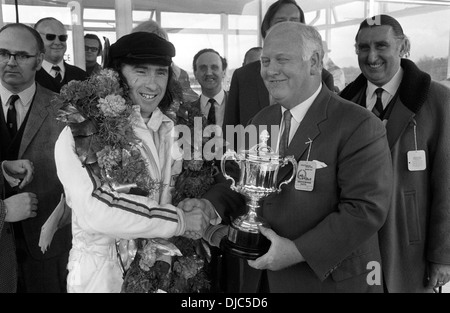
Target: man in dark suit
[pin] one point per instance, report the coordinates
(210, 70)
(415, 240)
(31, 134)
(248, 94)
(13, 209)
(323, 227)
(55, 72)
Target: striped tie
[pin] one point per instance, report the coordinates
(284, 140)
(378, 108)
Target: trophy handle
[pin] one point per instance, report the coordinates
(233, 156)
(286, 160)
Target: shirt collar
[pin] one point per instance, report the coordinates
(219, 98)
(299, 111)
(26, 96)
(48, 66)
(156, 120)
(391, 87)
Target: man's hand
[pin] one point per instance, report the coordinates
(439, 275)
(196, 223)
(189, 204)
(282, 253)
(20, 169)
(21, 207)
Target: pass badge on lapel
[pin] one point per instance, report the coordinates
(306, 174)
(417, 161)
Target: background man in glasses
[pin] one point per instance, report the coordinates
(93, 49)
(55, 72)
(28, 130)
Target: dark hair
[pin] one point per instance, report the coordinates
(380, 20)
(273, 9)
(194, 63)
(173, 91)
(37, 37)
(47, 19)
(385, 20)
(251, 50)
(95, 37)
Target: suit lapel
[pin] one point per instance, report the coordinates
(37, 116)
(308, 130)
(398, 121)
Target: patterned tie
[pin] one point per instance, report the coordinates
(284, 140)
(58, 76)
(378, 108)
(212, 112)
(11, 119)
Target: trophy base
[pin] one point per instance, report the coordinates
(251, 247)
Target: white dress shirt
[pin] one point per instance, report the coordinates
(298, 114)
(47, 66)
(22, 104)
(389, 91)
(219, 106)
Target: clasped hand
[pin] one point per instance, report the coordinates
(198, 214)
(22, 205)
(20, 169)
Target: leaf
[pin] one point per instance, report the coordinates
(87, 149)
(70, 114)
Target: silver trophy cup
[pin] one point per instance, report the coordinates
(259, 168)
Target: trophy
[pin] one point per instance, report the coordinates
(259, 168)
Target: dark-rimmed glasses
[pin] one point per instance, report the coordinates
(91, 49)
(20, 57)
(51, 37)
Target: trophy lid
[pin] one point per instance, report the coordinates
(262, 152)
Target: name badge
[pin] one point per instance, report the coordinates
(417, 161)
(306, 174)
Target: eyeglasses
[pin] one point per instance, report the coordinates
(20, 57)
(51, 37)
(91, 49)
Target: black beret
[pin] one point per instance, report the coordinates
(142, 47)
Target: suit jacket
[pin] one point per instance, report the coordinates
(248, 94)
(8, 262)
(48, 81)
(417, 228)
(334, 226)
(37, 145)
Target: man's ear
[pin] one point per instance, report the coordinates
(316, 63)
(39, 60)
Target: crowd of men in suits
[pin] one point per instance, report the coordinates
(381, 194)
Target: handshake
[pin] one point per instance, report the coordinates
(199, 215)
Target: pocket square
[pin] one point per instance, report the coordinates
(319, 164)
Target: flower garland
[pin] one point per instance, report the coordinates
(159, 266)
(100, 115)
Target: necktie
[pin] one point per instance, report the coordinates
(58, 76)
(284, 140)
(11, 119)
(212, 112)
(378, 108)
